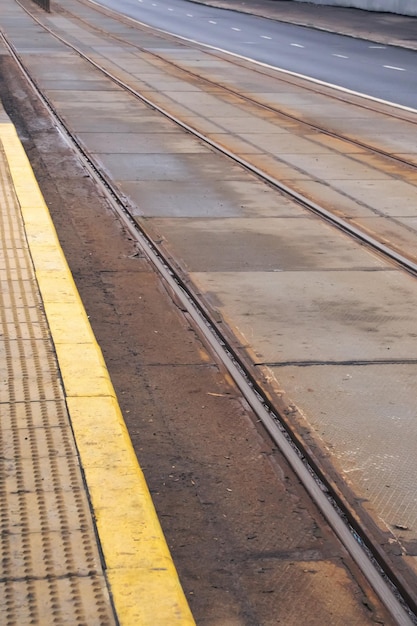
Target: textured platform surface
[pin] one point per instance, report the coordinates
(80, 542)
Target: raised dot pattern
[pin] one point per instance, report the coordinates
(50, 572)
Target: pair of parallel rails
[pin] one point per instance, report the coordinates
(350, 534)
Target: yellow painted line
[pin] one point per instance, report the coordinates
(142, 577)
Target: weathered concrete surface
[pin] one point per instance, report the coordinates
(296, 292)
(251, 551)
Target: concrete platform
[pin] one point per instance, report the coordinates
(80, 539)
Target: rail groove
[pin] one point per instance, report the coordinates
(329, 216)
(390, 587)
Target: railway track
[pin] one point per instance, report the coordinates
(321, 486)
(405, 168)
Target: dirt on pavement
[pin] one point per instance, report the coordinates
(249, 546)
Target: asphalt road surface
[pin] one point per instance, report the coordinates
(384, 72)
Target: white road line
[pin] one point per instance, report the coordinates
(189, 15)
(170, 9)
(296, 45)
(265, 37)
(212, 22)
(237, 29)
(340, 56)
(392, 67)
(282, 70)
(378, 47)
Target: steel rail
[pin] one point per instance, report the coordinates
(388, 589)
(246, 98)
(120, 16)
(305, 202)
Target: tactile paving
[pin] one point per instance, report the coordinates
(50, 567)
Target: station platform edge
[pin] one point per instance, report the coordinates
(141, 577)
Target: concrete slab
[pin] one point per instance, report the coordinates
(105, 96)
(212, 110)
(275, 244)
(289, 144)
(366, 416)
(241, 123)
(321, 192)
(390, 197)
(128, 109)
(399, 233)
(142, 143)
(70, 67)
(368, 129)
(317, 316)
(330, 167)
(175, 167)
(79, 85)
(190, 199)
(112, 124)
(164, 84)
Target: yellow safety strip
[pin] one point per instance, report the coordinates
(143, 580)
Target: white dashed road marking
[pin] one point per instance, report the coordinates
(392, 67)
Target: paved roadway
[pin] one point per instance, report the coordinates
(381, 71)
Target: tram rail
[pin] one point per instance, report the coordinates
(304, 464)
(406, 168)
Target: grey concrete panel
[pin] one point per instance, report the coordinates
(79, 85)
(318, 316)
(326, 196)
(206, 168)
(239, 124)
(289, 144)
(212, 111)
(235, 144)
(126, 109)
(331, 166)
(86, 97)
(400, 233)
(178, 199)
(193, 198)
(112, 124)
(272, 244)
(160, 83)
(366, 416)
(142, 143)
(395, 135)
(390, 197)
(25, 47)
(295, 97)
(69, 67)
